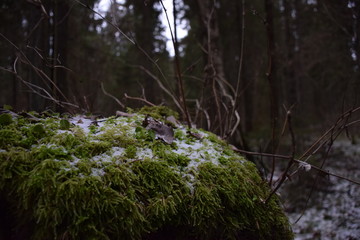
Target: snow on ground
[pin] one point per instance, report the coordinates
(335, 210)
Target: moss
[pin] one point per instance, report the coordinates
(117, 137)
(216, 139)
(117, 181)
(143, 134)
(64, 124)
(5, 119)
(178, 160)
(158, 112)
(179, 134)
(88, 149)
(130, 151)
(9, 137)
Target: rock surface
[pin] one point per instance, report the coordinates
(74, 177)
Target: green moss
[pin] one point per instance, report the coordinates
(64, 124)
(68, 140)
(64, 181)
(93, 129)
(5, 119)
(117, 137)
(143, 134)
(7, 107)
(38, 131)
(130, 151)
(9, 137)
(88, 149)
(179, 134)
(178, 160)
(215, 139)
(158, 112)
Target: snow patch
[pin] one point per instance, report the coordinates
(82, 122)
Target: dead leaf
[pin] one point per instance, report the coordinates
(161, 130)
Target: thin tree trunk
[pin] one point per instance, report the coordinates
(291, 80)
(271, 77)
(214, 70)
(60, 48)
(144, 32)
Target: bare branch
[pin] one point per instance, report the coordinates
(178, 71)
(140, 99)
(198, 106)
(291, 160)
(103, 18)
(270, 155)
(113, 97)
(39, 90)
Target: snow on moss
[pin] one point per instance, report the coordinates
(113, 178)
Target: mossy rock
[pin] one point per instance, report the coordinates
(112, 178)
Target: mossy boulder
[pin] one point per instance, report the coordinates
(71, 177)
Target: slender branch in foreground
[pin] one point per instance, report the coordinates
(291, 159)
(178, 71)
(330, 130)
(298, 162)
(335, 132)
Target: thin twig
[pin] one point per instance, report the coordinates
(318, 141)
(109, 95)
(134, 42)
(178, 71)
(198, 106)
(24, 59)
(160, 83)
(270, 155)
(334, 134)
(140, 99)
(236, 97)
(291, 160)
(103, 18)
(37, 90)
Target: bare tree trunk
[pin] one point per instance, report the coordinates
(144, 32)
(291, 81)
(271, 73)
(271, 77)
(214, 70)
(60, 45)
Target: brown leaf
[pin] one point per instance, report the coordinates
(161, 130)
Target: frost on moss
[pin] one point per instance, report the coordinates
(111, 178)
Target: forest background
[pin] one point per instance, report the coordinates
(246, 57)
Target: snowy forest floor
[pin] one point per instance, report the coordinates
(333, 211)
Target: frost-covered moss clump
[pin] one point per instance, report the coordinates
(71, 177)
